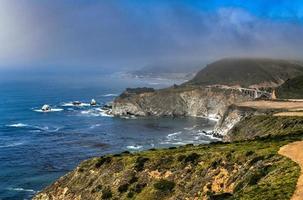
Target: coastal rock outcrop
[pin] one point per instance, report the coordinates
(179, 101)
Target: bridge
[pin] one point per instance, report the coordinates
(254, 93)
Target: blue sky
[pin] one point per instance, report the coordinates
(119, 34)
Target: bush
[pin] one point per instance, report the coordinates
(103, 160)
(181, 158)
(130, 194)
(249, 153)
(107, 193)
(97, 189)
(123, 188)
(222, 196)
(139, 187)
(133, 179)
(164, 185)
(192, 158)
(139, 166)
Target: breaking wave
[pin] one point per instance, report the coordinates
(70, 104)
(135, 147)
(110, 95)
(52, 110)
(11, 144)
(18, 125)
(22, 190)
(96, 112)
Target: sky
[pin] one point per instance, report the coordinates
(125, 34)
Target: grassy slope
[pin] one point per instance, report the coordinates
(266, 125)
(247, 72)
(249, 170)
(291, 89)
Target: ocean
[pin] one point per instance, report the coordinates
(36, 148)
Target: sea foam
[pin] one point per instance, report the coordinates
(18, 125)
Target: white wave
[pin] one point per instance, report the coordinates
(21, 190)
(96, 112)
(176, 143)
(104, 114)
(153, 83)
(110, 95)
(52, 110)
(128, 117)
(11, 144)
(46, 128)
(209, 135)
(135, 147)
(70, 104)
(172, 135)
(18, 125)
(94, 126)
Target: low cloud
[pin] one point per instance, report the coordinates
(113, 34)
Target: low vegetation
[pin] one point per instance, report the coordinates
(291, 89)
(247, 71)
(241, 170)
(266, 126)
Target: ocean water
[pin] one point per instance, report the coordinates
(36, 148)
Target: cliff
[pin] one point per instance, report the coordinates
(243, 170)
(212, 90)
(179, 101)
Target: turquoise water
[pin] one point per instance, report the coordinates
(36, 148)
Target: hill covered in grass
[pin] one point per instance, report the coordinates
(250, 169)
(291, 89)
(247, 72)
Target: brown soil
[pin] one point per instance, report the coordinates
(294, 151)
(288, 105)
(292, 114)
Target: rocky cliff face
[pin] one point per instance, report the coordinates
(179, 101)
(233, 115)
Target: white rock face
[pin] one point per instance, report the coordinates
(187, 101)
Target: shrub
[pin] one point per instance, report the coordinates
(130, 194)
(102, 160)
(139, 166)
(192, 158)
(97, 189)
(249, 153)
(107, 193)
(133, 179)
(256, 159)
(123, 188)
(254, 179)
(164, 185)
(181, 158)
(222, 196)
(139, 187)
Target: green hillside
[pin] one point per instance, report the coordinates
(291, 89)
(247, 71)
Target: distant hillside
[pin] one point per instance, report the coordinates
(247, 72)
(168, 70)
(291, 89)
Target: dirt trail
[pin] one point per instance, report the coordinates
(263, 104)
(294, 151)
